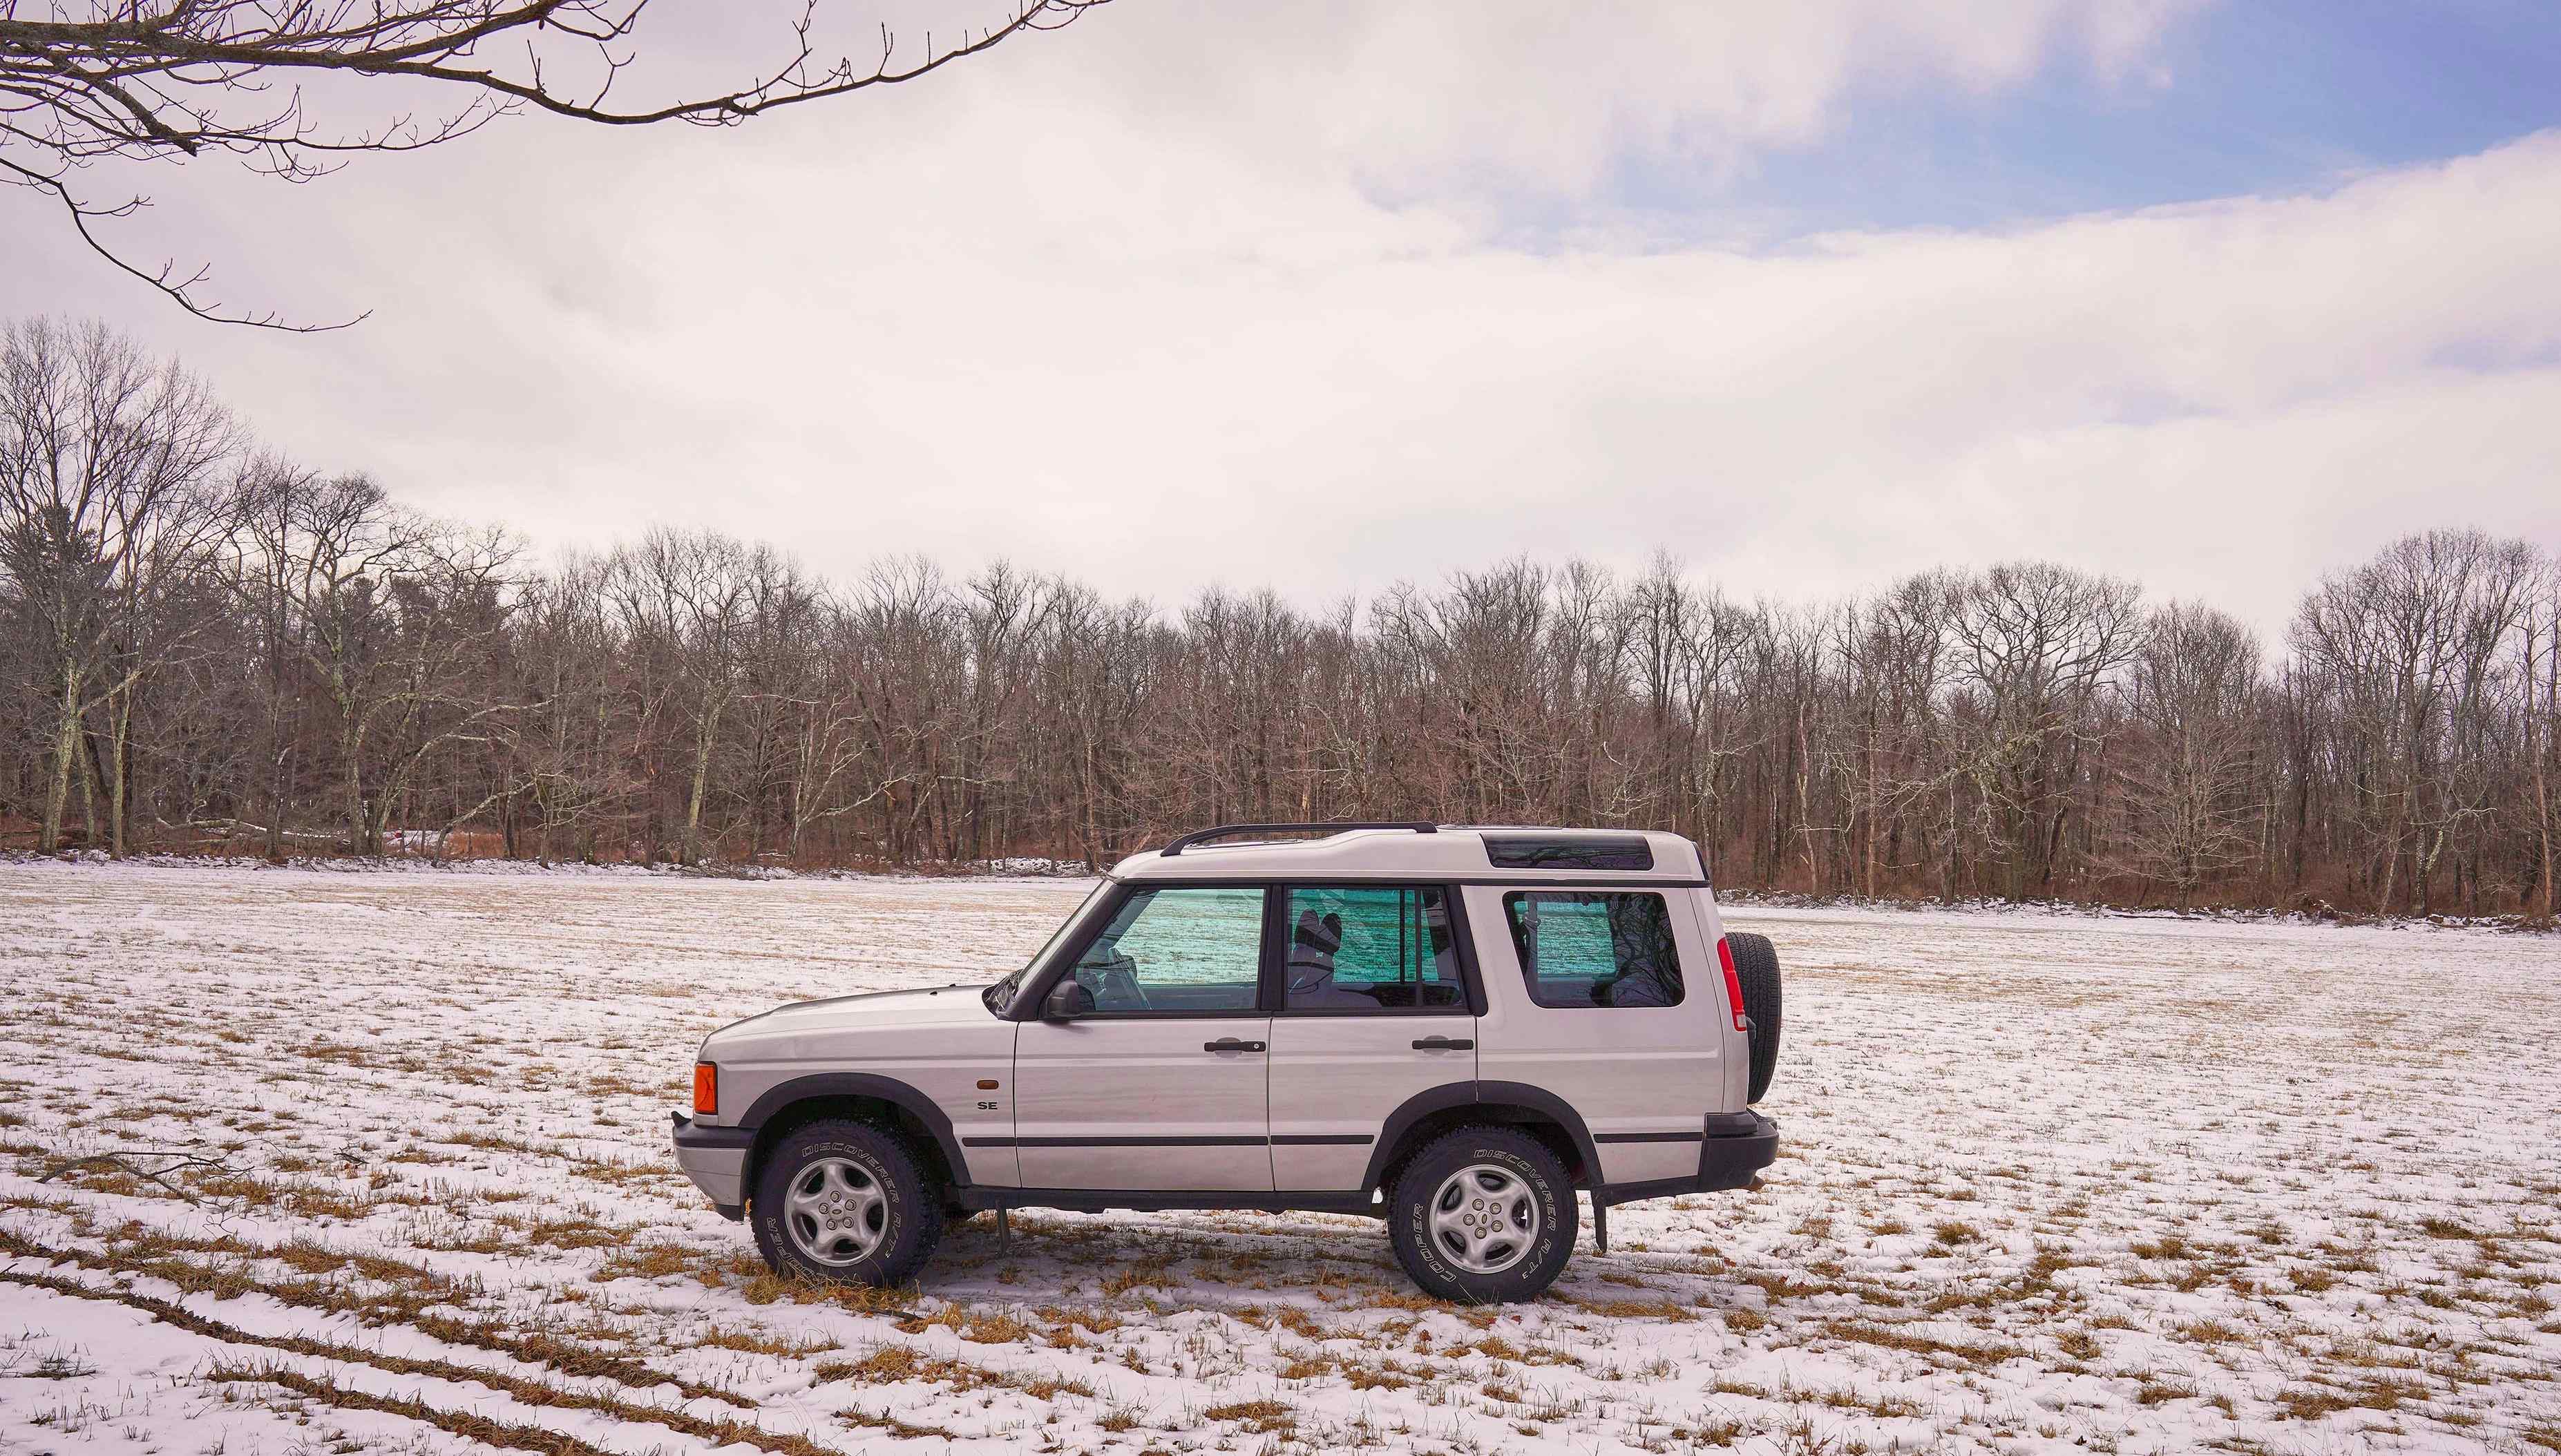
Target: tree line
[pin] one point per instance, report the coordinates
(206, 648)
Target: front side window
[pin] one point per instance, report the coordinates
(1177, 950)
(1595, 948)
(1383, 948)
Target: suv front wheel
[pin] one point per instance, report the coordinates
(845, 1203)
(1482, 1216)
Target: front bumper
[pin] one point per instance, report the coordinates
(715, 1158)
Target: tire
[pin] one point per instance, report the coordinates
(1756, 968)
(1515, 1168)
(850, 1190)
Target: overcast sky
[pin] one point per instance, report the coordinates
(1327, 295)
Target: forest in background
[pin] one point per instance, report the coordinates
(206, 649)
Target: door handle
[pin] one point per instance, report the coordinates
(1230, 1043)
(1445, 1044)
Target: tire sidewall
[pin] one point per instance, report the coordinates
(1423, 1258)
(910, 1222)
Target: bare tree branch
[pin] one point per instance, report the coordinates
(185, 78)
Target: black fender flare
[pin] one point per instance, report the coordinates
(1469, 1094)
(782, 1095)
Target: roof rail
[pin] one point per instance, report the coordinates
(1336, 827)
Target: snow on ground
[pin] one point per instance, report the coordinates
(2046, 1184)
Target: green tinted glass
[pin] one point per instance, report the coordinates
(1595, 950)
(1177, 950)
(1372, 948)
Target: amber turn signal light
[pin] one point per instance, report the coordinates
(706, 1089)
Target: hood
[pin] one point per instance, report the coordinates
(938, 1006)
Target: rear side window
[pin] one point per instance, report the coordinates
(1584, 949)
(1376, 948)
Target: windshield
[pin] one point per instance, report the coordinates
(1002, 995)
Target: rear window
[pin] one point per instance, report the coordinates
(1531, 851)
(1372, 948)
(1583, 949)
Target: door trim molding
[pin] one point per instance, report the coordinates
(1314, 1139)
(1113, 1141)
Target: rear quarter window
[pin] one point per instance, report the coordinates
(1581, 949)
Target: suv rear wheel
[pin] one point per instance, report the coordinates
(845, 1203)
(1482, 1216)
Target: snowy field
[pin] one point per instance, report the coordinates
(2047, 1183)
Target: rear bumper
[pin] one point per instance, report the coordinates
(1736, 1146)
(715, 1158)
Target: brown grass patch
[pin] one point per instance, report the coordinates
(891, 1365)
(1895, 1336)
(1259, 1417)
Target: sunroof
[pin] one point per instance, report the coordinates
(1536, 852)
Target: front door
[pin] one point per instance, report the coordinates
(1372, 1012)
(1163, 1085)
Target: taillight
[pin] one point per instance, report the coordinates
(1733, 984)
(707, 1080)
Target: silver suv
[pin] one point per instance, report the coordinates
(1450, 1027)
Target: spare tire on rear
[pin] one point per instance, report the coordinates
(1756, 968)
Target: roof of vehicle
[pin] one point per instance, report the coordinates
(1436, 852)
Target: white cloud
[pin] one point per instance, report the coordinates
(1422, 99)
(1059, 312)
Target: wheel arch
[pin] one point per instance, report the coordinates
(1534, 1110)
(856, 1098)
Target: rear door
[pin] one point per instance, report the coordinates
(1373, 1008)
(1608, 999)
(1164, 1086)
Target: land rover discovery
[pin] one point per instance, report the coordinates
(1450, 1027)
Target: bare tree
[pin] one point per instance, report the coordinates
(2186, 768)
(154, 79)
(110, 499)
(694, 599)
(396, 617)
(569, 742)
(2409, 649)
(1894, 652)
(2035, 643)
(2542, 719)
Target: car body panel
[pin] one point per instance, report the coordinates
(942, 1043)
(1334, 1079)
(1141, 1102)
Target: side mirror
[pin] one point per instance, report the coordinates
(1067, 1001)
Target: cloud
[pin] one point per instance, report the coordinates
(1146, 334)
(1425, 101)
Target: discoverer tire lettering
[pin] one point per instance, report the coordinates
(1431, 1265)
(900, 1208)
